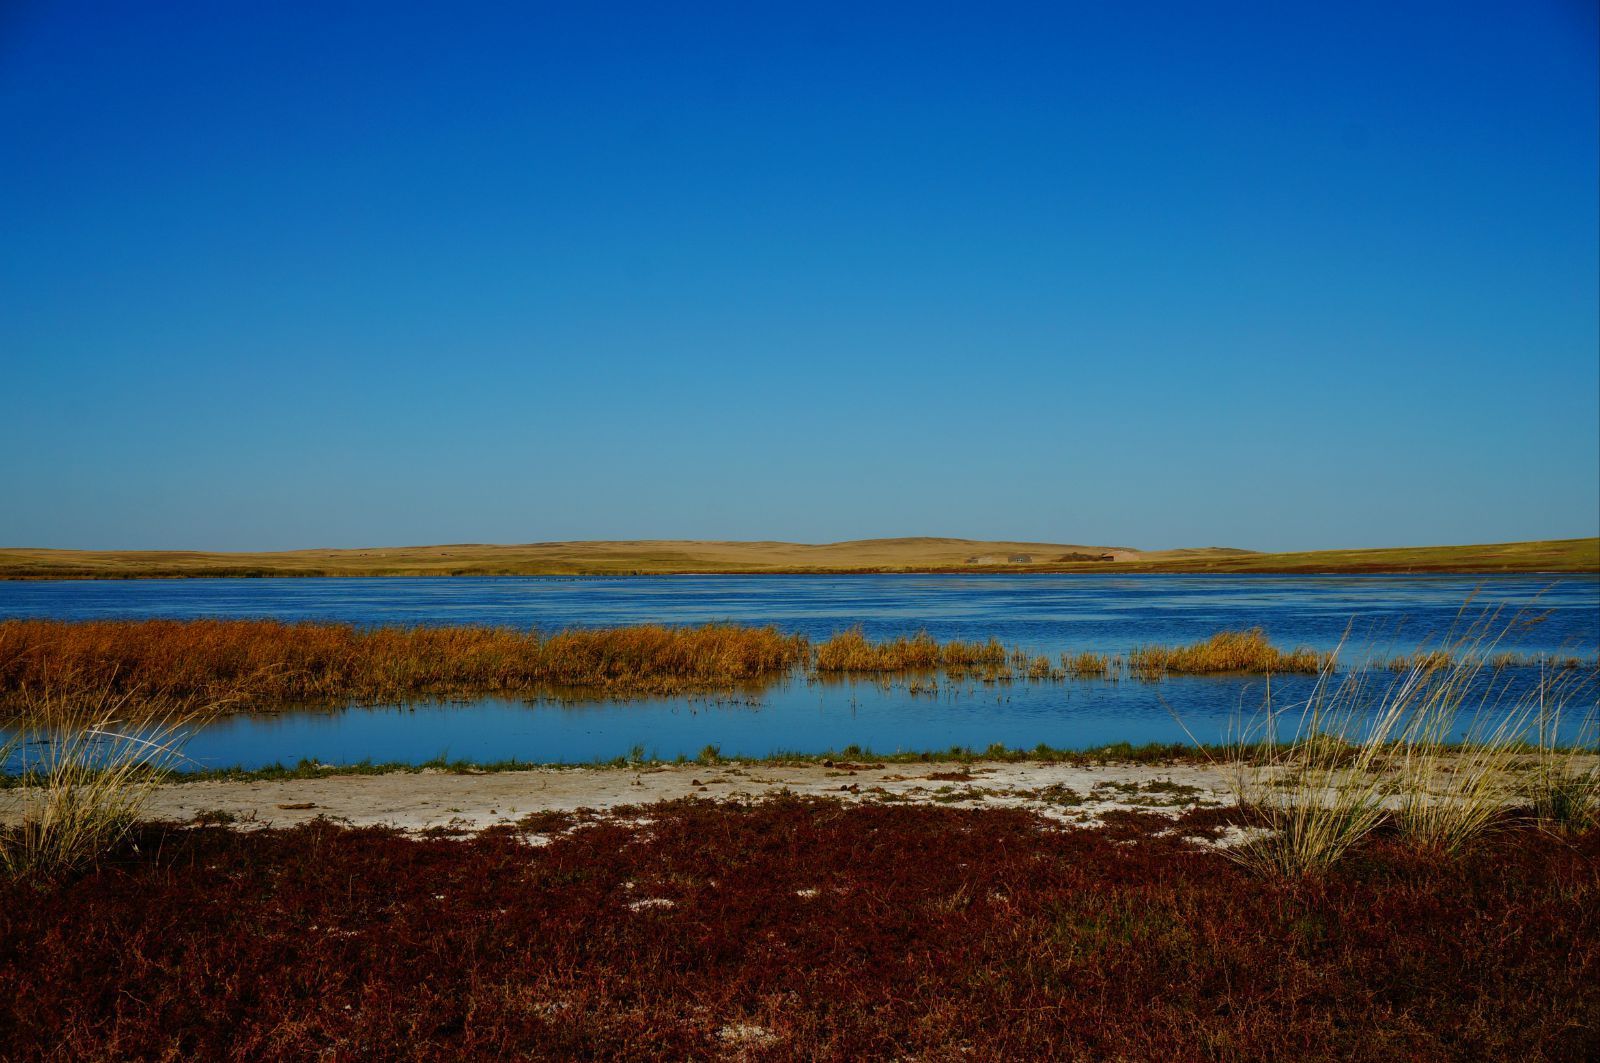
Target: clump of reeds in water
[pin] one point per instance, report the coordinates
(1420, 661)
(1429, 659)
(269, 663)
(1226, 651)
(1091, 665)
(79, 775)
(852, 651)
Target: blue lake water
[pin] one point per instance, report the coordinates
(1045, 614)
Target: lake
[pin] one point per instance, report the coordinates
(1042, 613)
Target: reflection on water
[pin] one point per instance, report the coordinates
(798, 716)
(1046, 614)
(1041, 612)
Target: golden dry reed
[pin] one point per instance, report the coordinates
(1433, 660)
(1091, 665)
(264, 664)
(258, 663)
(1226, 651)
(87, 769)
(851, 651)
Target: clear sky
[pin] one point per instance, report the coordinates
(1269, 275)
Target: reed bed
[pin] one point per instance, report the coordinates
(1428, 660)
(1421, 661)
(852, 651)
(1226, 651)
(1091, 665)
(269, 664)
(264, 663)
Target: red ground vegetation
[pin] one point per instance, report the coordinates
(801, 929)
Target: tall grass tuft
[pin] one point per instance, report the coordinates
(1451, 789)
(1226, 651)
(83, 774)
(1319, 793)
(1564, 790)
(1435, 749)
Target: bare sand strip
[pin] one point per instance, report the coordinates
(416, 801)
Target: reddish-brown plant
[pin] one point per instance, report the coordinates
(797, 929)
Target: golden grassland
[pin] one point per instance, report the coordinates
(605, 558)
(151, 667)
(1545, 555)
(662, 557)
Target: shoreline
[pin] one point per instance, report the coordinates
(463, 799)
(432, 800)
(1105, 569)
(902, 556)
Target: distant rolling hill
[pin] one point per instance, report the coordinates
(664, 556)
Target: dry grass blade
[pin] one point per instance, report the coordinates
(1437, 748)
(82, 776)
(1466, 730)
(852, 651)
(1565, 788)
(1318, 794)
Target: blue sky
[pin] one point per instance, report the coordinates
(1267, 275)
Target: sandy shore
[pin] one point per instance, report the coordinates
(418, 801)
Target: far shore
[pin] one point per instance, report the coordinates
(921, 555)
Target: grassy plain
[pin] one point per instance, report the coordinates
(660, 557)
